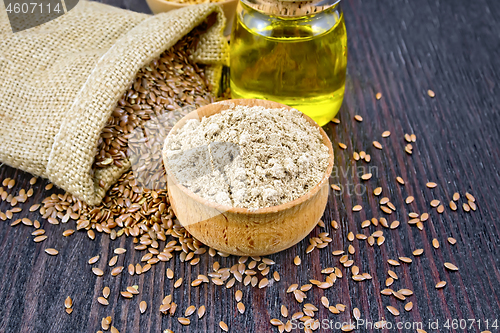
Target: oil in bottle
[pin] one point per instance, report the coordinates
(298, 61)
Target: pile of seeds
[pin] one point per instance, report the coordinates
(168, 83)
(145, 215)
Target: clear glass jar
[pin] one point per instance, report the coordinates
(290, 52)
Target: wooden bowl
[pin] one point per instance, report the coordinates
(242, 231)
(228, 7)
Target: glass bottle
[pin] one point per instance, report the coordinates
(292, 52)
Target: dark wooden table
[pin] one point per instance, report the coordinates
(398, 48)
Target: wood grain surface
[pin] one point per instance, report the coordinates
(398, 48)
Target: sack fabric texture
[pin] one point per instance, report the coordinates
(60, 82)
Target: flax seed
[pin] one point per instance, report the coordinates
(392, 274)
(306, 287)
(393, 262)
(357, 208)
(394, 225)
(201, 311)
(284, 311)
(398, 295)
(366, 176)
(126, 294)
(336, 187)
(386, 209)
(408, 306)
(189, 311)
(196, 282)
(470, 197)
(386, 292)
(347, 328)
(238, 295)
(405, 260)
(131, 269)
(170, 274)
(440, 284)
(120, 250)
(435, 203)
(102, 301)
(435, 243)
(393, 310)
(113, 261)
(106, 292)
(68, 232)
(263, 283)
(333, 309)
(117, 270)
(450, 266)
(38, 232)
(223, 326)
(52, 252)
(184, 321)
(356, 313)
(68, 302)
(241, 307)
(39, 239)
(93, 260)
(418, 252)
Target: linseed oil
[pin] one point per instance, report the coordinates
(298, 61)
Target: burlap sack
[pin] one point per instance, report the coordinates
(59, 83)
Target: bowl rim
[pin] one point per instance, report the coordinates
(178, 4)
(248, 211)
